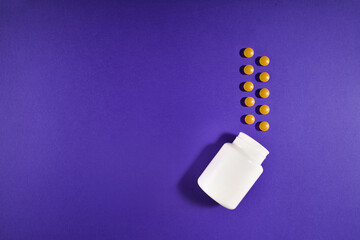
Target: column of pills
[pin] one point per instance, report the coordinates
(261, 92)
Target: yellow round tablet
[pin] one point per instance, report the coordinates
(264, 61)
(264, 77)
(264, 93)
(249, 119)
(248, 86)
(248, 52)
(248, 69)
(249, 101)
(264, 126)
(264, 109)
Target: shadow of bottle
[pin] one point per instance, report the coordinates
(188, 183)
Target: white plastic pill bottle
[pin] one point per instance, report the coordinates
(233, 171)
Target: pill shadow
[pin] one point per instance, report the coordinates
(257, 126)
(241, 70)
(242, 119)
(257, 93)
(257, 77)
(242, 102)
(188, 186)
(241, 87)
(257, 61)
(242, 52)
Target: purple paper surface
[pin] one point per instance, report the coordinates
(110, 110)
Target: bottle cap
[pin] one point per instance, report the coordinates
(252, 148)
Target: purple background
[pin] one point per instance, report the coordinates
(111, 110)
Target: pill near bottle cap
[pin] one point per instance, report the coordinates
(249, 119)
(264, 126)
(233, 171)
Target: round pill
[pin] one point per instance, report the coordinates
(264, 77)
(248, 69)
(249, 101)
(248, 52)
(264, 61)
(249, 119)
(248, 86)
(264, 126)
(264, 109)
(264, 93)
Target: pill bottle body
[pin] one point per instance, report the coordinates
(232, 172)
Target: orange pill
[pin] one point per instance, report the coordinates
(249, 101)
(248, 69)
(264, 93)
(264, 61)
(249, 119)
(264, 109)
(248, 86)
(264, 126)
(264, 77)
(248, 52)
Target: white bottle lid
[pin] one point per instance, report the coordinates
(256, 152)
